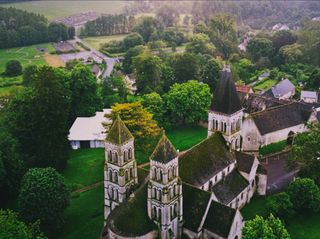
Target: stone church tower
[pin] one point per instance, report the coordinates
(226, 112)
(165, 190)
(120, 171)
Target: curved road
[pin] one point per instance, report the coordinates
(109, 61)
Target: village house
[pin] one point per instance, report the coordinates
(89, 132)
(309, 96)
(282, 91)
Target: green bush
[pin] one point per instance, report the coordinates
(280, 205)
(273, 148)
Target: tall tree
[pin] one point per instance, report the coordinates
(148, 72)
(185, 67)
(260, 47)
(210, 71)
(85, 97)
(138, 120)
(223, 35)
(127, 62)
(12, 227)
(258, 228)
(44, 195)
(146, 26)
(37, 118)
(168, 15)
(282, 38)
(200, 43)
(188, 103)
(13, 68)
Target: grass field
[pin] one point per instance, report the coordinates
(299, 226)
(84, 216)
(273, 148)
(56, 9)
(26, 55)
(96, 42)
(265, 85)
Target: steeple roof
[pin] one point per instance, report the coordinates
(164, 152)
(225, 98)
(119, 133)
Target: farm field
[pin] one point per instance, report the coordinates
(96, 42)
(53, 9)
(299, 226)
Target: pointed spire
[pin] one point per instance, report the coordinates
(225, 98)
(164, 151)
(118, 133)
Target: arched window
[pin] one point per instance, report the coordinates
(127, 175)
(216, 124)
(170, 173)
(116, 196)
(110, 155)
(154, 212)
(154, 193)
(159, 215)
(161, 175)
(131, 172)
(115, 177)
(110, 175)
(154, 173)
(130, 153)
(224, 127)
(125, 156)
(159, 195)
(175, 210)
(115, 157)
(210, 185)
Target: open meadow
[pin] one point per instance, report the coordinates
(97, 41)
(56, 9)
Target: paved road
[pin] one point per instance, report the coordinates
(109, 61)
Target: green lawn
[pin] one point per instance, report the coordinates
(185, 137)
(265, 84)
(9, 90)
(299, 226)
(26, 55)
(84, 167)
(84, 216)
(96, 42)
(53, 9)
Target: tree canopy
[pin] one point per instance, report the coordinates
(44, 196)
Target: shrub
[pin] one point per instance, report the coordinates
(13, 68)
(280, 205)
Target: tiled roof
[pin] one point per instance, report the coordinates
(230, 187)
(225, 98)
(281, 117)
(204, 160)
(244, 161)
(119, 133)
(164, 151)
(243, 89)
(283, 87)
(219, 219)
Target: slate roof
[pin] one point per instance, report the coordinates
(244, 161)
(255, 103)
(119, 133)
(121, 218)
(204, 160)
(195, 202)
(309, 94)
(164, 151)
(230, 187)
(262, 170)
(219, 219)
(283, 87)
(225, 98)
(281, 117)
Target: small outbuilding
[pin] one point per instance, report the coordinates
(89, 132)
(309, 96)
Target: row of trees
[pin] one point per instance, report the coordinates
(20, 28)
(108, 25)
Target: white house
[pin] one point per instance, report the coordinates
(309, 96)
(88, 132)
(283, 90)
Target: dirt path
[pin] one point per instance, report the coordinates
(89, 187)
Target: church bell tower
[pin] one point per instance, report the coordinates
(165, 190)
(226, 112)
(120, 171)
